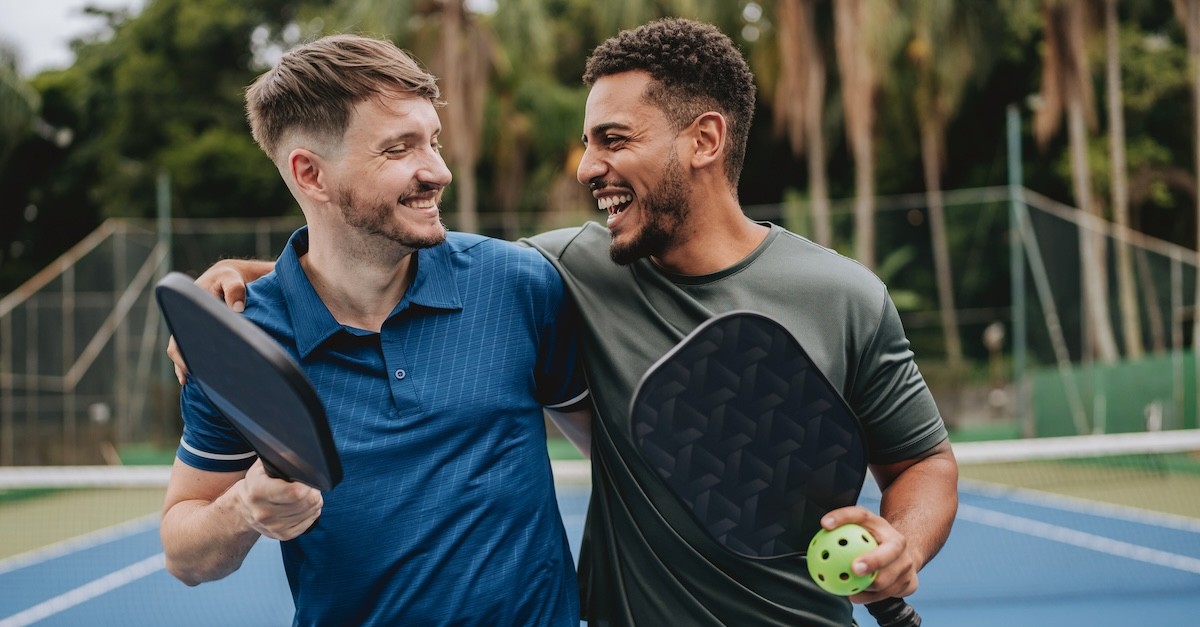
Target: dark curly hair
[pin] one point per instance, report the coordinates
(696, 68)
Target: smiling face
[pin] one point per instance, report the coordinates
(390, 174)
(631, 164)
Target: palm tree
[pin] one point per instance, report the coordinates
(1067, 90)
(860, 82)
(944, 48)
(1188, 12)
(800, 102)
(1131, 325)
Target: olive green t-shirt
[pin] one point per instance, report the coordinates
(645, 559)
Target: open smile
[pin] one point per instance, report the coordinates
(614, 205)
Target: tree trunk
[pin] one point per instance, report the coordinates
(814, 130)
(1191, 19)
(931, 158)
(458, 111)
(858, 99)
(1130, 318)
(1093, 263)
(864, 200)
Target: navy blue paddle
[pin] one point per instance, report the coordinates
(253, 382)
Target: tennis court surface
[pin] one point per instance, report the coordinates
(1076, 531)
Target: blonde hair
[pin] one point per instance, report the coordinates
(315, 87)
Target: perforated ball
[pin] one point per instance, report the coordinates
(831, 554)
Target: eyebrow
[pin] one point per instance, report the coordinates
(600, 129)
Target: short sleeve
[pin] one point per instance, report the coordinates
(560, 379)
(890, 396)
(210, 442)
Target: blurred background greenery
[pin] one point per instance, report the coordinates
(161, 91)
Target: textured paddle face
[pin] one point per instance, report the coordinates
(749, 435)
(253, 382)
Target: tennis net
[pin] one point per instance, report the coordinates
(1153, 471)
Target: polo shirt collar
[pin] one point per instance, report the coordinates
(433, 287)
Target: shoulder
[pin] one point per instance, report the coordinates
(502, 260)
(267, 305)
(483, 247)
(589, 239)
(825, 269)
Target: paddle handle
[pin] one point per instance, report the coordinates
(894, 612)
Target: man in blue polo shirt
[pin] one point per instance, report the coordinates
(434, 355)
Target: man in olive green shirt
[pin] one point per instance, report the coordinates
(665, 134)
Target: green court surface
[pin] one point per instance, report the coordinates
(33, 519)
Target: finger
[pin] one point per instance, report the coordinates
(846, 515)
(878, 559)
(177, 360)
(294, 527)
(228, 286)
(894, 588)
(276, 508)
(293, 519)
(235, 296)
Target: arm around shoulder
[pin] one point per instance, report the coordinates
(227, 279)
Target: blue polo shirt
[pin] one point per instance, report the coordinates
(447, 512)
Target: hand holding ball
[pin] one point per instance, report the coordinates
(831, 555)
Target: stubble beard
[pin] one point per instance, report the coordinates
(377, 219)
(662, 212)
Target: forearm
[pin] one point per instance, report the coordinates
(921, 503)
(205, 541)
(576, 426)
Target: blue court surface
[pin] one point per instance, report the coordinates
(1012, 559)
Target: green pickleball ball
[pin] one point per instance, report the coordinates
(831, 553)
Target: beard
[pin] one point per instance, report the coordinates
(378, 219)
(662, 214)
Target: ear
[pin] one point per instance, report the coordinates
(308, 174)
(707, 139)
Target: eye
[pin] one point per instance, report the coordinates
(437, 146)
(613, 140)
(396, 150)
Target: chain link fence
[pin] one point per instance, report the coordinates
(84, 375)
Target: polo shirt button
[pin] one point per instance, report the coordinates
(400, 374)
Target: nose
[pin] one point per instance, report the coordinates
(591, 168)
(435, 171)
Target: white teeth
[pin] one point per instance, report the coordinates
(421, 204)
(609, 202)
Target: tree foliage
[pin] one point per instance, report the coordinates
(161, 91)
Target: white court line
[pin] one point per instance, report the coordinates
(1074, 504)
(1080, 539)
(79, 543)
(86, 592)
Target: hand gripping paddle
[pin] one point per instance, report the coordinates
(253, 382)
(753, 438)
